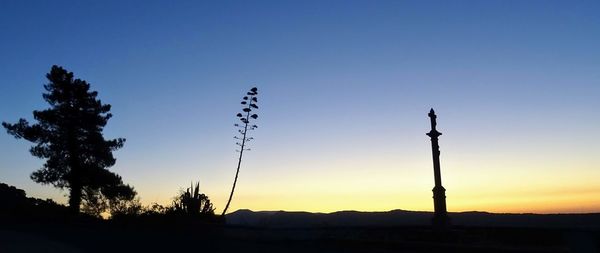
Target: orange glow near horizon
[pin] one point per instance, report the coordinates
(390, 189)
(568, 202)
(377, 183)
(542, 202)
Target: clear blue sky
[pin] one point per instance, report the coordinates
(345, 87)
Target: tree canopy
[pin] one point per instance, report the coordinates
(68, 135)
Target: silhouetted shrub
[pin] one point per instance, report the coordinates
(11, 197)
(15, 204)
(192, 202)
(122, 207)
(114, 201)
(153, 210)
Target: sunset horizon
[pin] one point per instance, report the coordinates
(345, 89)
(338, 126)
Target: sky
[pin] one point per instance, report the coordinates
(344, 92)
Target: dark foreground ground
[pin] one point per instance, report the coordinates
(172, 236)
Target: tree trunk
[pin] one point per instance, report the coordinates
(75, 180)
(75, 196)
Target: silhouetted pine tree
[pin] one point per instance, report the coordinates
(68, 135)
(248, 103)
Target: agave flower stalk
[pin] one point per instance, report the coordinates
(246, 116)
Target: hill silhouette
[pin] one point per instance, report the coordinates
(394, 218)
(24, 220)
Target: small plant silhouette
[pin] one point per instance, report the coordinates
(246, 116)
(192, 202)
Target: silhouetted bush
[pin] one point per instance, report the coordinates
(192, 202)
(121, 207)
(153, 210)
(114, 201)
(11, 197)
(189, 207)
(16, 204)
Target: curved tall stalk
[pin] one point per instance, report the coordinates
(249, 102)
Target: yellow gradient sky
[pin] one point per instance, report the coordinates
(344, 92)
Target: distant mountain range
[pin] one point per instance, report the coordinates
(283, 219)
